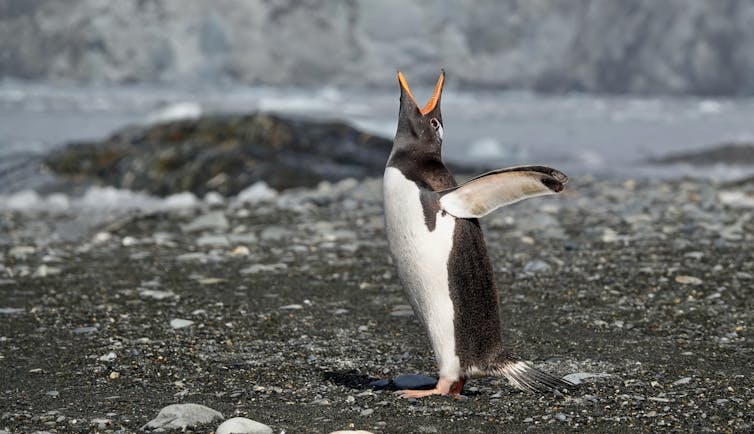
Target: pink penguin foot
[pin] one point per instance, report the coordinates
(443, 387)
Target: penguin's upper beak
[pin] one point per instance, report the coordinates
(432, 100)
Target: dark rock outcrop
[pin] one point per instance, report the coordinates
(226, 154)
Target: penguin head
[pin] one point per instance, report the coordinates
(420, 126)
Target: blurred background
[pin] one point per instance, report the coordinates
(620, 88)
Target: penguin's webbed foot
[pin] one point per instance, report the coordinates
(444, 387)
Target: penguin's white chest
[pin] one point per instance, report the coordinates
(421, 256)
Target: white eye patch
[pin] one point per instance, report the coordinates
(437, 126)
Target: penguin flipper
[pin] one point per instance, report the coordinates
(488, 192)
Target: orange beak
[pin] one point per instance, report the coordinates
(432, 100)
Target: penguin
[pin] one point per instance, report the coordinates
(438, 246)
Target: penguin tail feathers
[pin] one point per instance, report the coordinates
(528, 378)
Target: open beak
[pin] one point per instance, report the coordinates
(432, 100)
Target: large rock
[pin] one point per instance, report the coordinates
(645, 46)
(225, 154)
(181, 416)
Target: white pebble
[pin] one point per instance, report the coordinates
(242, 425)
(179, 323)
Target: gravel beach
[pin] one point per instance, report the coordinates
(284, 308)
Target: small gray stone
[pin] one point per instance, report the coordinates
(367, 412)
(213, 241)
(109, 357)
(21, 252)
(414, 382)
(684, 380)
(578, 377)
(249, 238)
(10, 310)
(536, 266)
(262, 268)
(274, 233)
(84, 330)
(242, 425)
(156, 294)
(193, 256)
(181, 416)
(351, 432)
(179, 323)
(101, 423)
(688, 280)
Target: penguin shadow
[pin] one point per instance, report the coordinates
(354, 380)
(350, 379)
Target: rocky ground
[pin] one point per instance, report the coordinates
(285, 308)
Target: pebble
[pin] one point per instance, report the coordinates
(402, 310)
(257, 192)
(367, 412)
(351, 432)
(684, 380)
(179, 323)
(242, 425)
(536, 266)
(21, 252)
(274, 233)
(212, 241)
(261, 268)
(249, 238)
(214, 198)
(578, 377)
(240, 251)
(101, 423)
(192, 256)
(44, 271)
(109, 357)
(292, 307)
(11, 310)
(688, 280)
(182, 416)
(156, 294)
(215, 220)
(84, 330)
(414, 381)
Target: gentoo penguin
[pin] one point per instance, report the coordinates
(440, 252)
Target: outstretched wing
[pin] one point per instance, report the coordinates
(488, 192)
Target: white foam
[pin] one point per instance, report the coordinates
(176, 111)
(95, 199)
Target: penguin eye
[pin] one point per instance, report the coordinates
(437, 126)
